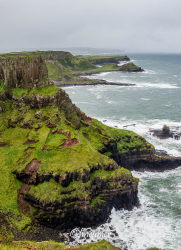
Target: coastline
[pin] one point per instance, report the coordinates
(59, 84)
(96, 72)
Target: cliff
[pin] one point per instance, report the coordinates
(60, 168)
(66, 68)
(23, 71)
(57, 148)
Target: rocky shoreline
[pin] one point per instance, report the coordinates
(60, 168)
(89, 83)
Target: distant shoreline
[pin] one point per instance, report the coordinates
(58, 84)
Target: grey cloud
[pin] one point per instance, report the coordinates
(129, 25)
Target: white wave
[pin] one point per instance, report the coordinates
(110, 102)
(148, 71)
(78, 102)
(138, 84)
(103, 74)
(98, 96)
(145, 99)
(122, 63)
(143, 228)
(155, 85)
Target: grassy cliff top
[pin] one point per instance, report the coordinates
(93, 58)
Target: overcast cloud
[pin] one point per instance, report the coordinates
(129, 25)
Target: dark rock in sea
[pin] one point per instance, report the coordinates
(174, 132)
(162, 152)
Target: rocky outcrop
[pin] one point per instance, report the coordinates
(60, 99)
(89, 208)
(149, 162)
(174, 132)
(23, 71)
(144, 158)
(130, 67)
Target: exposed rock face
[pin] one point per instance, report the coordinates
(147, 161)
(60, 99)
(142, 159)
(23, 71)
(70, 211)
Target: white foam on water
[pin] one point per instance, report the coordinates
(103, 74)
(145, 99)
(155, 85)
(122, 63)
(148, 71)
(81, 102)
(124, 78)
(110, 102)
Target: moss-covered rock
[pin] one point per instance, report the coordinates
(130, 67)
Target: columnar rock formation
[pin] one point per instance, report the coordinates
(23, 71)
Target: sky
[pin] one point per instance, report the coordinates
(148, 26)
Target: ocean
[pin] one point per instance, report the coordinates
(155, 100)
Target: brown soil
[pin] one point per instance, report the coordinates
(3, 144)
(64, 132)
(30, 169)
(30, 142)
(70, 143)
(32, 166)
(88, 119)
(23, 205)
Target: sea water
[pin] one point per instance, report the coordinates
(155, 100)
